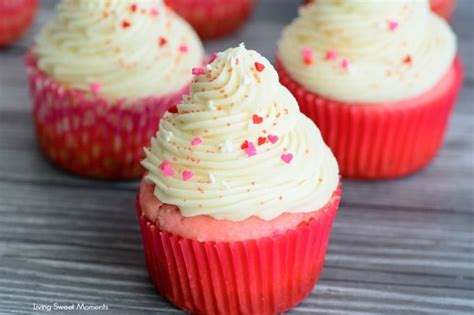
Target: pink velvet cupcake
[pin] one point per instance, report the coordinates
(16, 17)
(213, 18)
(241, 191)
(101, 75)
(379, 78)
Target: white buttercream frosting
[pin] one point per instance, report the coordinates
(392, 49)
(126, 49)
(252, 153)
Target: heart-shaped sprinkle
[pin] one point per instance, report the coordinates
(196, 141)
(331, 55)
(407, 59)
(272, 138)
(392, 25)
(250, 150)
(260, 67)
(261, 140)
(166, 168)
(198, 71)
(308, 56)
(133, 7)
(125, 24)
(183, 48)
(187, 175)
(257, 119)
(287, 157)
(154, 11)
(345, 64)
(244, 145)
(95, 87)
(162, 41)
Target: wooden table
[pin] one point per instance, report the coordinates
(397, 247)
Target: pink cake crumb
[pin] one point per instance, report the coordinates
(205, 228)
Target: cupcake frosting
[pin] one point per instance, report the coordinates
(367, 51)
(118, 48)
(239, 147)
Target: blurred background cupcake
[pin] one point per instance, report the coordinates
(101, 75)
(240, 194)
(379, 78)
(444, 8)
(16, 16)
(213, 18)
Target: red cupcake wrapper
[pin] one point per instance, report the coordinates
(380, 141)
(15, 18)
(88, 135)
(261, 276)
(213, 18)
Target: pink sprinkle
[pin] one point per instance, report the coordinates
(392, 25)
(250, 150)
(196, 141)
(187, 175)
(214, 57)
(198, 71)
(331, 55)
(154, 11)
(183, 48)
(95, 87)
(166, 168)
(345, 64)
(272, 138)
(287, 157)
(308, 56)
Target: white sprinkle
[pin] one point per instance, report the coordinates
(247, 80)
(212, 178)
(227, 146)
(242, 45)
(167, 135)
(226, 185)
(211, 105)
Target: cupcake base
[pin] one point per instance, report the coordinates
(15, 18)
(381, 141)
(88, 135)
(213, 18)
(258, 276)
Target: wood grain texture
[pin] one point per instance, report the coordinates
(397, 247)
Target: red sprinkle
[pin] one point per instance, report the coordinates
(244, 145)
(133, 7)
(198, 71)
(261, 140)
(257, 119)
(308, 56)
(162, 41)
(214, 57)
(125, 24)
(407, 59)
(260, 67)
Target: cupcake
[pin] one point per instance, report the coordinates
(15, 19)
(379, 79)
(213, 18)
(101, 75)
(240, 193)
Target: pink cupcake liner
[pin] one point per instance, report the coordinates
(259, 276)
(213, 18)
(88, 135)
(381, 141)
(15, 18)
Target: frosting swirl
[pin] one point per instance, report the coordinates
(367, 51)
(118, 48)
(238, 146)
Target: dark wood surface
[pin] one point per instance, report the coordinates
(397, 247)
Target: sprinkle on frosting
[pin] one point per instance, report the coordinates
(198, 71)
(196, 141)
(167, 135)
(95, 87)
(162, 41)
(392, 25)
(308, 55)
(187, 175)
(245, 187)
(183, 48)
(126, 24)
(331, 55)
(260, 67)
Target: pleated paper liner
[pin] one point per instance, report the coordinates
(381, 141)
(88, 135)
(213, 18)
(15, 19)
(259, 276)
